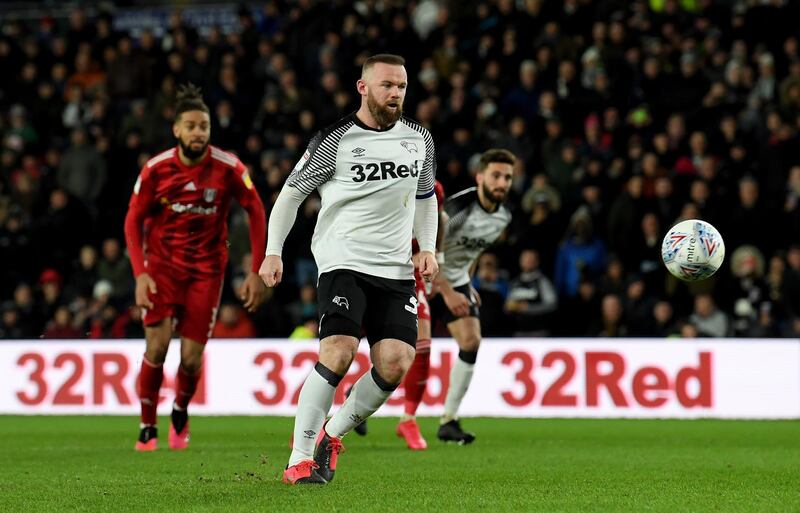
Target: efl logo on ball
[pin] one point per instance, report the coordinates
(693, 250)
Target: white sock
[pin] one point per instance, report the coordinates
(367, 395)
(460, 377)
(313, 405)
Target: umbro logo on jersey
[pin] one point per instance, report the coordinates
(359, 152)
(341, 301)
(190, 187)
(410, 146)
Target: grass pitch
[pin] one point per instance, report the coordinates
(235, 463)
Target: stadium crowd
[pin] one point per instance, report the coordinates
(626, 115)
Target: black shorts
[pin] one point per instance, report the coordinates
(349, 300)
(439, 308)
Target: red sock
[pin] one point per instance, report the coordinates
(150, 378)
(185, 385)
(417, 377)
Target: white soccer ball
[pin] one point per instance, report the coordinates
(693, 250)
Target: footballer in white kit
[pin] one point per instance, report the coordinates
(375, 173)
(477, 217)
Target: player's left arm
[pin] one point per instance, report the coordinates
(426, 213)
(253, 291)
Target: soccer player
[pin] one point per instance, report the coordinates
(176, 229)
(374, 171)
(476, 219)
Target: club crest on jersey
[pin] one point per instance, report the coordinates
(410, 146)
(341, 301)
(209, 195)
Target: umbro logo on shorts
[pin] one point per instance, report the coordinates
(341, 301)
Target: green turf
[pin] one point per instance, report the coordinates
(234, 464)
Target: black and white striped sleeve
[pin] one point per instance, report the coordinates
(427, 176)
(457, 208)
(318, 163)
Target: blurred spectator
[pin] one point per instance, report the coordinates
(10, 327)
(82, 171)
(24, 302)
(84, 275)
(638, 307)
(115, 268)
(748, 294)
(531, 298)
(233, 323)
(102, 314)
(50, 282)
(663, 322)
(60, 327)
(611, 322)
(790, 291)
(708, 319)
(492, 289)
(623, 217)
(308, 329)
(582, 254)
(61, 230)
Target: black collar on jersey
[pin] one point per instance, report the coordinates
(363, 125)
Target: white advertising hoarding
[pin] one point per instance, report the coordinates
(513, 378)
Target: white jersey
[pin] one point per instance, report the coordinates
(368, 181)
(469, 231)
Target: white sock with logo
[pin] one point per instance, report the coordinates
(314, 403)
(367, 395)
(460, 378)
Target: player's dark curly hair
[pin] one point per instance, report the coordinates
(497, 155)
(189, 97)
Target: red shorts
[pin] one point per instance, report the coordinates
(423, 310)
(191, 302)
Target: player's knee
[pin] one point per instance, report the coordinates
(337, 355)
(470, 342)
(191, 364)
(394, 364)
(156, 354)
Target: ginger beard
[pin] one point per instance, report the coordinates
(384, 115)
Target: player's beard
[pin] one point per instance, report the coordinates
(383, 115)
(495, 196)
(191, 154)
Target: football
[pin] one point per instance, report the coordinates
(693, 250)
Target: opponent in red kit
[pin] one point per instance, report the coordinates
(176, 229)
(417, 376)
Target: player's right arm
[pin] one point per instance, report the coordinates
(141, 201)
(313, 169)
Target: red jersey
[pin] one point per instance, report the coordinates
(177, 215)
(438, 189)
